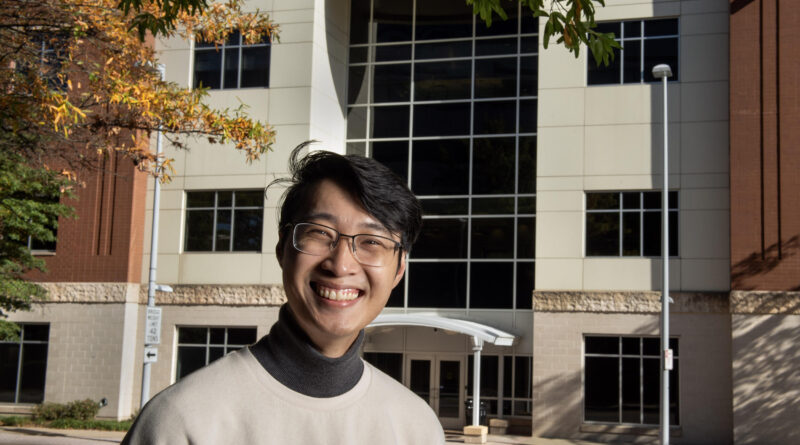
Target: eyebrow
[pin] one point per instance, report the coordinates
(333, 219)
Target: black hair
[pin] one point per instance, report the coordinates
(382, 193)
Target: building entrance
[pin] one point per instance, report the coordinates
(439, 380)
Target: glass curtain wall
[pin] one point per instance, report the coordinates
(450, 106)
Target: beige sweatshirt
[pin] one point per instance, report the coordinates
(235, 401)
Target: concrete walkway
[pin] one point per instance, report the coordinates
(50, 436)
(453, 437)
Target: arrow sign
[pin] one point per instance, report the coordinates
(150, 355)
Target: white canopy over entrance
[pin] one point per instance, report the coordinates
(480, 333)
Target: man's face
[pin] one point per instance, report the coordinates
(355, 294)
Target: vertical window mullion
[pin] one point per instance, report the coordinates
(641, 380)
(233, 217)
(19, 364)
(621, 383)
(641, 224)
(620, 213)
(241, 61)
(208, 344)
(214, 225)
(641, 51)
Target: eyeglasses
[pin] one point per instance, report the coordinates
(318, 240)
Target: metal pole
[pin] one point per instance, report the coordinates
(151, 283)
(477, 346)
(665, 286)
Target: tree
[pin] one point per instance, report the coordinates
(78, 84)
(572, 21)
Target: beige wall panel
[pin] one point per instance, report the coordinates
(170, 199)
(419, 339)
(385, 339)
(168, 268)
(206, 160)
(559, 235)
(766, 383)
(560, 107)
(496, 318)
(704, 147)
(710, 23)
(555, 274)
(286, 139)
(704, 57)
(704, 233)
(705, 199)
(705, 274)
(288, 5)
(557, 183)
(627, 182)
(271, 272)
(630, 104)
(173, 43)
(292, 33)
(231, 181)
(559, 201)
(220, 268)
(704, 101)
(629, 149)
(523, 327)
(705, 375)
(703, 6)
(290, 106)
(291, 63)
(290, 15)
(257, 100)
(708, 180)
(628, 273)
(559, 152)
(177, 63)
(558, 68)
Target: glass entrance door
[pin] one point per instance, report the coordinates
(439, 381)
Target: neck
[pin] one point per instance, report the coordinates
(290, 356)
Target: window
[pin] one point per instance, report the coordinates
(224, 221)
(23, 365)
(645, 44)
(622, 380)
(391, 363)
(199, 346)
(232, 64)
(450, 106)
(512, 393)
(628, 223)
(37, 246)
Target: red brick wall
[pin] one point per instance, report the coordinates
(104, 242)
(765, 144)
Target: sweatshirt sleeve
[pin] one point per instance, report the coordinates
(158, 423)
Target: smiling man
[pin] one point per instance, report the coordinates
(346, 224)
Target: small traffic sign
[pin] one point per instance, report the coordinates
(150, 354)
(152, 329)
(668, 359)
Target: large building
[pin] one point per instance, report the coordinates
(540, 176)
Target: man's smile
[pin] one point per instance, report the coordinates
(336, 294)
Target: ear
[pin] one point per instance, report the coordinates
(401, 268)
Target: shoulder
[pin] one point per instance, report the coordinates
(404, 406)
(178, 412)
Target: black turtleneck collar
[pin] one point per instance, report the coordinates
(288, 355)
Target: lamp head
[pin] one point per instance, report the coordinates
(662, 70)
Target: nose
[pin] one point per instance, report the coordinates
(341, 260)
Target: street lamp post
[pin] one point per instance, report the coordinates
(153, 314)
(663, 72)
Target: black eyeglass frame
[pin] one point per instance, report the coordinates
(333, 245)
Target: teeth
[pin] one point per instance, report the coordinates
(338, 294)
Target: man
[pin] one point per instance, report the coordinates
(345, 225)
